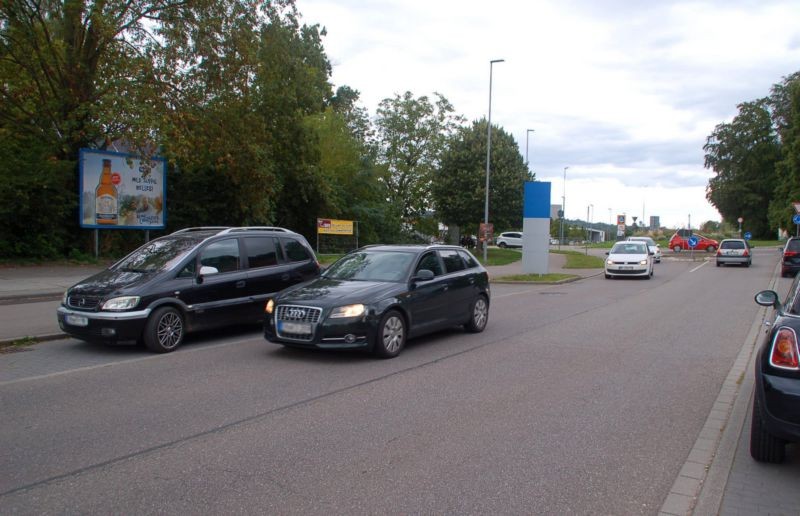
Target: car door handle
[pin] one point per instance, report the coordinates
(285, 277)
(240, 284)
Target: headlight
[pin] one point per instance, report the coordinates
(610, 262)
(269, 307)
(121, 303)
(643, 262)
(65, 298)
(347, 311)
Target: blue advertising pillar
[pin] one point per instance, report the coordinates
(536, 227)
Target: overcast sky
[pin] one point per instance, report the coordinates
(622, 92)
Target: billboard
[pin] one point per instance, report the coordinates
(121, 191)
(334, 227)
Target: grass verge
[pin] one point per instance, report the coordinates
(578, 260)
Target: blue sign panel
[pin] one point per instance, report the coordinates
(692, 241)
(748, 235)
(536, 202)
(796, 219)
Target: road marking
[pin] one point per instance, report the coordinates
(704, 263)
(120, 362)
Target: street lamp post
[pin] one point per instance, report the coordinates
(563, 208)
(527, 134)
(488, 157)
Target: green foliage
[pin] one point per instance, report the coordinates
(411, 137)
(459, 185)
(743, 155)
(787, 191)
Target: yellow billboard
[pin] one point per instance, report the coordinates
(334, 227)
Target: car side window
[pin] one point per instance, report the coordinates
(295, 251)
(452, 261)
(261, 251)
(223, 255)
(189, 269)
(468, 259)
(430, 262)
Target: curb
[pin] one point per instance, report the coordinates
(36, 338)
(700, 484)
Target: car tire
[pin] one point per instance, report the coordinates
(164, 330)
(764, 447)
(479, 315)
(501, 245)
(676, 249)
(710, 249)
(608, 276)
(719, 264)
(391, 337)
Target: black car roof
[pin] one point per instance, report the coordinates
(416, 248)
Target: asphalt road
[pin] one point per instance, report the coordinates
(578, 398)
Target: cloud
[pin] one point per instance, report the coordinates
(623, 92)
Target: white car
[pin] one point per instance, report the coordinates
(650, 244)
(509, 239)
(629, 258)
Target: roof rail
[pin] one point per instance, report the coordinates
(202, 228)
(257, 228)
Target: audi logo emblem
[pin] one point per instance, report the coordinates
(297, 313)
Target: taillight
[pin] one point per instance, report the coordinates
(746, 253)
(719, 252)
(784, 354)
(788, 254)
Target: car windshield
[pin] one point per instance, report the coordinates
(158, 255)
(372, 266)
(629, 248)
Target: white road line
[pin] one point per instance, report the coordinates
(121, 362)
(704, 263)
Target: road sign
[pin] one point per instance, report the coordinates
(748, 236)
(692, 241)
(796, 219)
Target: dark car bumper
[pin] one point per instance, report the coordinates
(779, 398)
(788, 268)
(107, 327)
(329, 334)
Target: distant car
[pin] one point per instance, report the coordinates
(509, 239)
(680, 242)
(377, 297)
(776, 400)
(193, 279)
(629, 259)
(734, 251)
(553, 241)
(651, 244)
(790, 258)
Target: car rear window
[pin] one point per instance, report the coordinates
(295, 251)
(793, 244)
(733, 244)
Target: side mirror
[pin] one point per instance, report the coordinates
(423, 275)
(606, 253)
(768, 298)
(207, 270)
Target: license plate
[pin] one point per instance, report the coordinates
(76, 320)
(625, 267)
(295, 328)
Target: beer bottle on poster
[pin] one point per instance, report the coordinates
(106, 205)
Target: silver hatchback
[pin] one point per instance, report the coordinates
(734, 251)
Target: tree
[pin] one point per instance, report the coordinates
(459, 185)
(743, 155)
(786, 99)
(411, 136)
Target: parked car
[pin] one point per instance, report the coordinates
(377, 297)
(790, 258)
(629, 259)
(509, 239)
(776, 400)
(734, 251)
(651, 244)
(193, 279)
(680, 241)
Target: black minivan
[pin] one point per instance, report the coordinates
(193, 279)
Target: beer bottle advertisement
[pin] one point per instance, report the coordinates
(121, 191)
